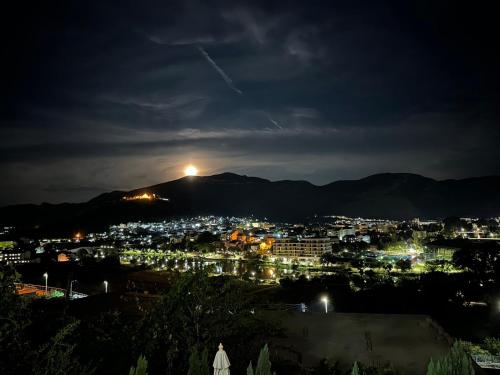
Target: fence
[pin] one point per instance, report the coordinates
(41, 291)
(487, 361)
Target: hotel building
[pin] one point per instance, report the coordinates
(302, 248)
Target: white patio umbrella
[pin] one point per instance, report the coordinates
(221, 362)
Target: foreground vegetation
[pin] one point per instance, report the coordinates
(196, 314)
(178, 332)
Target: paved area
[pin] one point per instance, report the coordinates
(407, 341)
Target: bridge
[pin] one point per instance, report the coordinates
(33, 290)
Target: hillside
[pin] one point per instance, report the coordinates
(389, 195)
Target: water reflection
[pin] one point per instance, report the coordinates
(250, 269)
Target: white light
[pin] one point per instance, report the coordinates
(46, 275)
(105, 286)
(191, 170)
(325, 301)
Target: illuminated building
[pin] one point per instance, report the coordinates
(144, 197)
(61, 257)
(14, 257)
(341, 232)
(234, 235)
(301, 247)
(245, 238)
(266, 245)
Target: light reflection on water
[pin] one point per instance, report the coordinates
(243, 268)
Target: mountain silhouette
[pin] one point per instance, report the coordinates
(387, 195)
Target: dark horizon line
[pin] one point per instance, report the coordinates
(260, 178)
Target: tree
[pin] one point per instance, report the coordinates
(328, 259)
(431, 368)
(58, 357)
(198, 364)
(456, 362)
(388, 267)
(359, 263)
(327, 366)
(455, 224)
(18, 353)
(378, 369)
(142, 367)
(250, 369)
(404, 265)
(263, 364)
(204, 363)
(481, 261)
(492, 345)
(14, 318)
(107, 339)
(355, 369)
(197, 310)
(207, 237)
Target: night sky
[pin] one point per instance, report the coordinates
(102, 95)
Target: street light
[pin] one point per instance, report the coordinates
(71, 288)
(105, 286)
(46, 275)
(325, 301)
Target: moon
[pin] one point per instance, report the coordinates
(191, 170)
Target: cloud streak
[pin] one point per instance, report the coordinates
(274, 122)
(219, 70)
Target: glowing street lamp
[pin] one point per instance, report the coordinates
(105, 286)
(46, 276)
(325, 301)
(71, 288)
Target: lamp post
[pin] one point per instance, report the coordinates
(46, 276)
(71, 289)
(325, 301)
(105, 286)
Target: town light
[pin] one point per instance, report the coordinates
(325, 301)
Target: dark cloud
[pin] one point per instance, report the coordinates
(110, 95)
